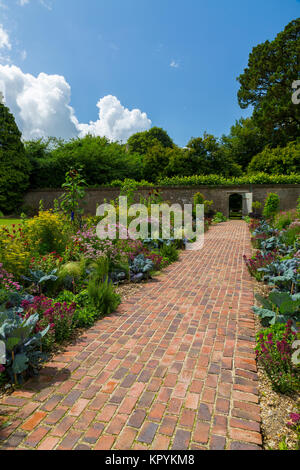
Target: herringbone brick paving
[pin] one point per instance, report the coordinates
(173, 368)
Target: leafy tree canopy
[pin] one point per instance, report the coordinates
(142, 141)
(244, 142)
(266, 84)
(277, 161)
(14, 165)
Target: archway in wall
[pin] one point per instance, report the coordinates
(235, 206)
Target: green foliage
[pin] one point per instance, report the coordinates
(266, 85)
(274, 352)
(141, 142)
(291, 235)
(170, 253)
(103, 295)
(206, 157)
(218, 218)
(102, 162)
(73, 193)
(256, 205)
(22, 354)
(14, 165)
(244, 142)
(46, 233)
(40, 278)
(279, 307)
(284, 219)
(271, 206)
(280, 160)
(71, 274)
(85, 314)
(216, 180)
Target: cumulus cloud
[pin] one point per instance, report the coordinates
(115, 121)
(41, 106)
(4, 39)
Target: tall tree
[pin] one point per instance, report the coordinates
(244, 142)
(14, 165)
(266, 84)
(141, 142)
(206, 157)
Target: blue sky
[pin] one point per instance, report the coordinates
(177, 61)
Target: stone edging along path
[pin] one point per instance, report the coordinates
(173, 368)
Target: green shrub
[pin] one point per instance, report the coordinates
(290, 236)
(170, 253)
(103, 296)
(274, 352)
(218, 218)
(219, 180)
(284, 219)
(271, 206)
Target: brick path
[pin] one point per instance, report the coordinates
(174, 368)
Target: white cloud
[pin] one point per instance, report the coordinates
(115, 121)
(174, 64)
(41, 106)
(45, 3)
(4, 39)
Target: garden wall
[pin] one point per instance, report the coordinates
(288, 194)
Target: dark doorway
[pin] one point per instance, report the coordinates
(235, 206)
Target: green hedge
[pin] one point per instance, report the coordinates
(218, 180)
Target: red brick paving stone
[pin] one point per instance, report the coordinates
(93, 433)
(48, 443)
(27, 410)
(64, 425)
(246, 436)
(55, 415)
(217, 443)
(137, 418)
(105, 443)
(33, 421)
(69, 442)
(126, 438)
(168, 425)
(85, 420)
(243, 446)
(160, 442)
(157, 411)
(148, 432)
(175, 405)
(181, 440)
(201, 433)
(78, 407)
(167, 350)
(106, 413)
(127, 405)
(187, 418)
(219, 425)
(116, 424)
(36, 436)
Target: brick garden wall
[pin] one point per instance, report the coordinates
(220, 195)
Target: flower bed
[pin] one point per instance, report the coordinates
(57, 275)
(276, 264)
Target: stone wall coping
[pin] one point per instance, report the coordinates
(209, 186)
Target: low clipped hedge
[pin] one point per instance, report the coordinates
(219, 180)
